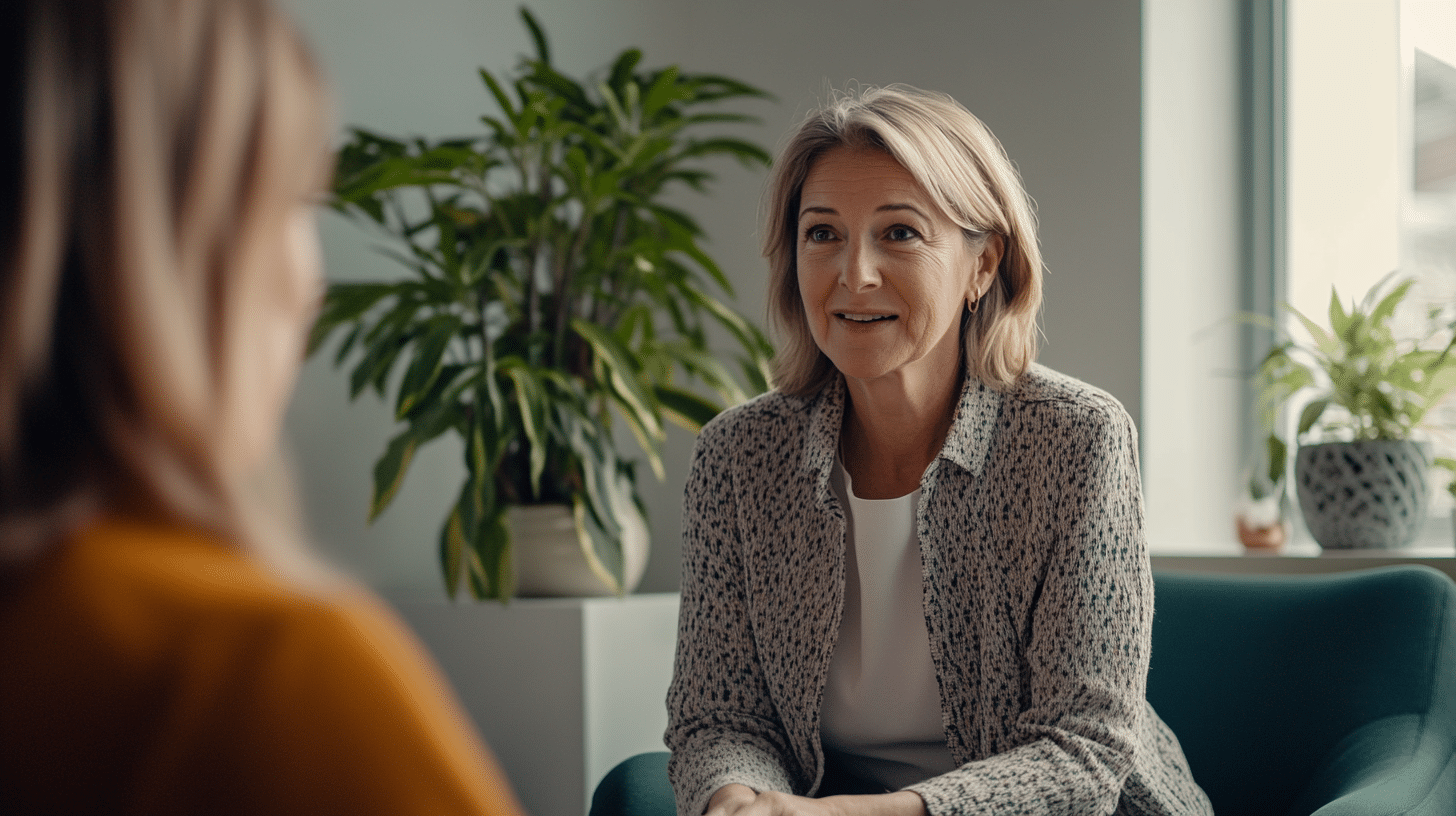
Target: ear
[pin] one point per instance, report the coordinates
(986, 266)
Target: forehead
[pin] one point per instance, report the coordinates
(854, 176)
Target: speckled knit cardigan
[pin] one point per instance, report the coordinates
(1037, 591)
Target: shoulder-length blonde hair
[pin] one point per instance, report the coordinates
(152, 143)
(965, 170)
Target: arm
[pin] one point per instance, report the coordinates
(722, 725)
(740, 800)
(1085, 653)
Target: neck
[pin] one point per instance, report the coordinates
(893, 430)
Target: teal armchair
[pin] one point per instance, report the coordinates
(1332, 695)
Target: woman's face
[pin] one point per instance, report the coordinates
(270, 332)
(883, 273)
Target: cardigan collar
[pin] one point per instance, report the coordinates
(966, 444)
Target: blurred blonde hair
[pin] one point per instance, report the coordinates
(967, 173)
(153, 144)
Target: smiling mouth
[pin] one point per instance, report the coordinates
(863, 318)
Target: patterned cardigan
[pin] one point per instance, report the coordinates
(1037, 594)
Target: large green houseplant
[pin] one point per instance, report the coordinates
(550, 291)
(1362, 391)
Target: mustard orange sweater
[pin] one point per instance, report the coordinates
(153, 670)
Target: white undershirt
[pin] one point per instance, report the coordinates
(881, 719)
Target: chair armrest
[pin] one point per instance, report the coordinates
(1393, 766)
(638, 786)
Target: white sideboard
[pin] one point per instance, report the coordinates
(561, 688)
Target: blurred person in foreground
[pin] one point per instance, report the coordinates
(914, 575)
(166, 643)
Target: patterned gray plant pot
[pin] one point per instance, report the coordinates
(1368, 494)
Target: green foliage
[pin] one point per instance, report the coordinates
(1384, 384)
(1267, 478)
(550, 290)
(1449, 465)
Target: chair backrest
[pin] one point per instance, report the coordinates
(1262, 677)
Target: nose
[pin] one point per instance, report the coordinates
(858, 274)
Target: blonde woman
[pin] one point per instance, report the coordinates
(914, 575)
(166, 646)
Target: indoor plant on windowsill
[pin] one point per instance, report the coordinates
(1360, 477)
(550, 290)
(1260, 518)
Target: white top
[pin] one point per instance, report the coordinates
(881, 719)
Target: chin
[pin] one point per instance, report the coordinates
(859, 368)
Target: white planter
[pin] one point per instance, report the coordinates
(562, 689)
(548, 558)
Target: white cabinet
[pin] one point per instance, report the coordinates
(562, 688)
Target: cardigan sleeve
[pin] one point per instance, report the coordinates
(1087, 645)
(722, 725)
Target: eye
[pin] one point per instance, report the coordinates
(818, 234)
(900, 232)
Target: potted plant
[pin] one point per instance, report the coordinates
(1360, 477)
(551, 291)
(1260, 517)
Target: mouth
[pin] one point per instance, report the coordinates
(856, 317)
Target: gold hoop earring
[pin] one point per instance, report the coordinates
(976, 304)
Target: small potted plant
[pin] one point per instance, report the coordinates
(1360, 477)
(551, 292)
(1260, 518)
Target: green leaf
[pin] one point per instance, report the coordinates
(664, 90)
(747, 153)
(390, 469)
(621, 71)
(1339, 321)
(501, 98)
(1385, 309)
(538, 35)
(383, 350)
(1278, 458)
(1322, 339)
(531, 401)
(1311, 414)
(345, 303)
(393, 464)
(452, 550)
(622, 373)
(686, 408)
(492, 549)
(420, 377)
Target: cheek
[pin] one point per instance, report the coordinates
(813, 290)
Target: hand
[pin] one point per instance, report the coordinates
(741, 800)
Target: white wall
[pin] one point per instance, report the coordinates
(1060, 83)
(1192, 258)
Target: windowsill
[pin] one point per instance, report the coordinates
(1307, 551)
(1433, 548)
(1435, 541)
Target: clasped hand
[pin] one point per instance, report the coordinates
(741, 800)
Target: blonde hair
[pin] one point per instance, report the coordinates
(954, 156)
(154, 143)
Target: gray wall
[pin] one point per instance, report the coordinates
(1058, 82)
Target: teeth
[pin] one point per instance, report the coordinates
(864, 318)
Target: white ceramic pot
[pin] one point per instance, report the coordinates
(548, 558)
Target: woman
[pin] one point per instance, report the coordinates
(914, 576)
(165, 646)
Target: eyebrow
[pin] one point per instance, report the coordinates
(881, 208)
